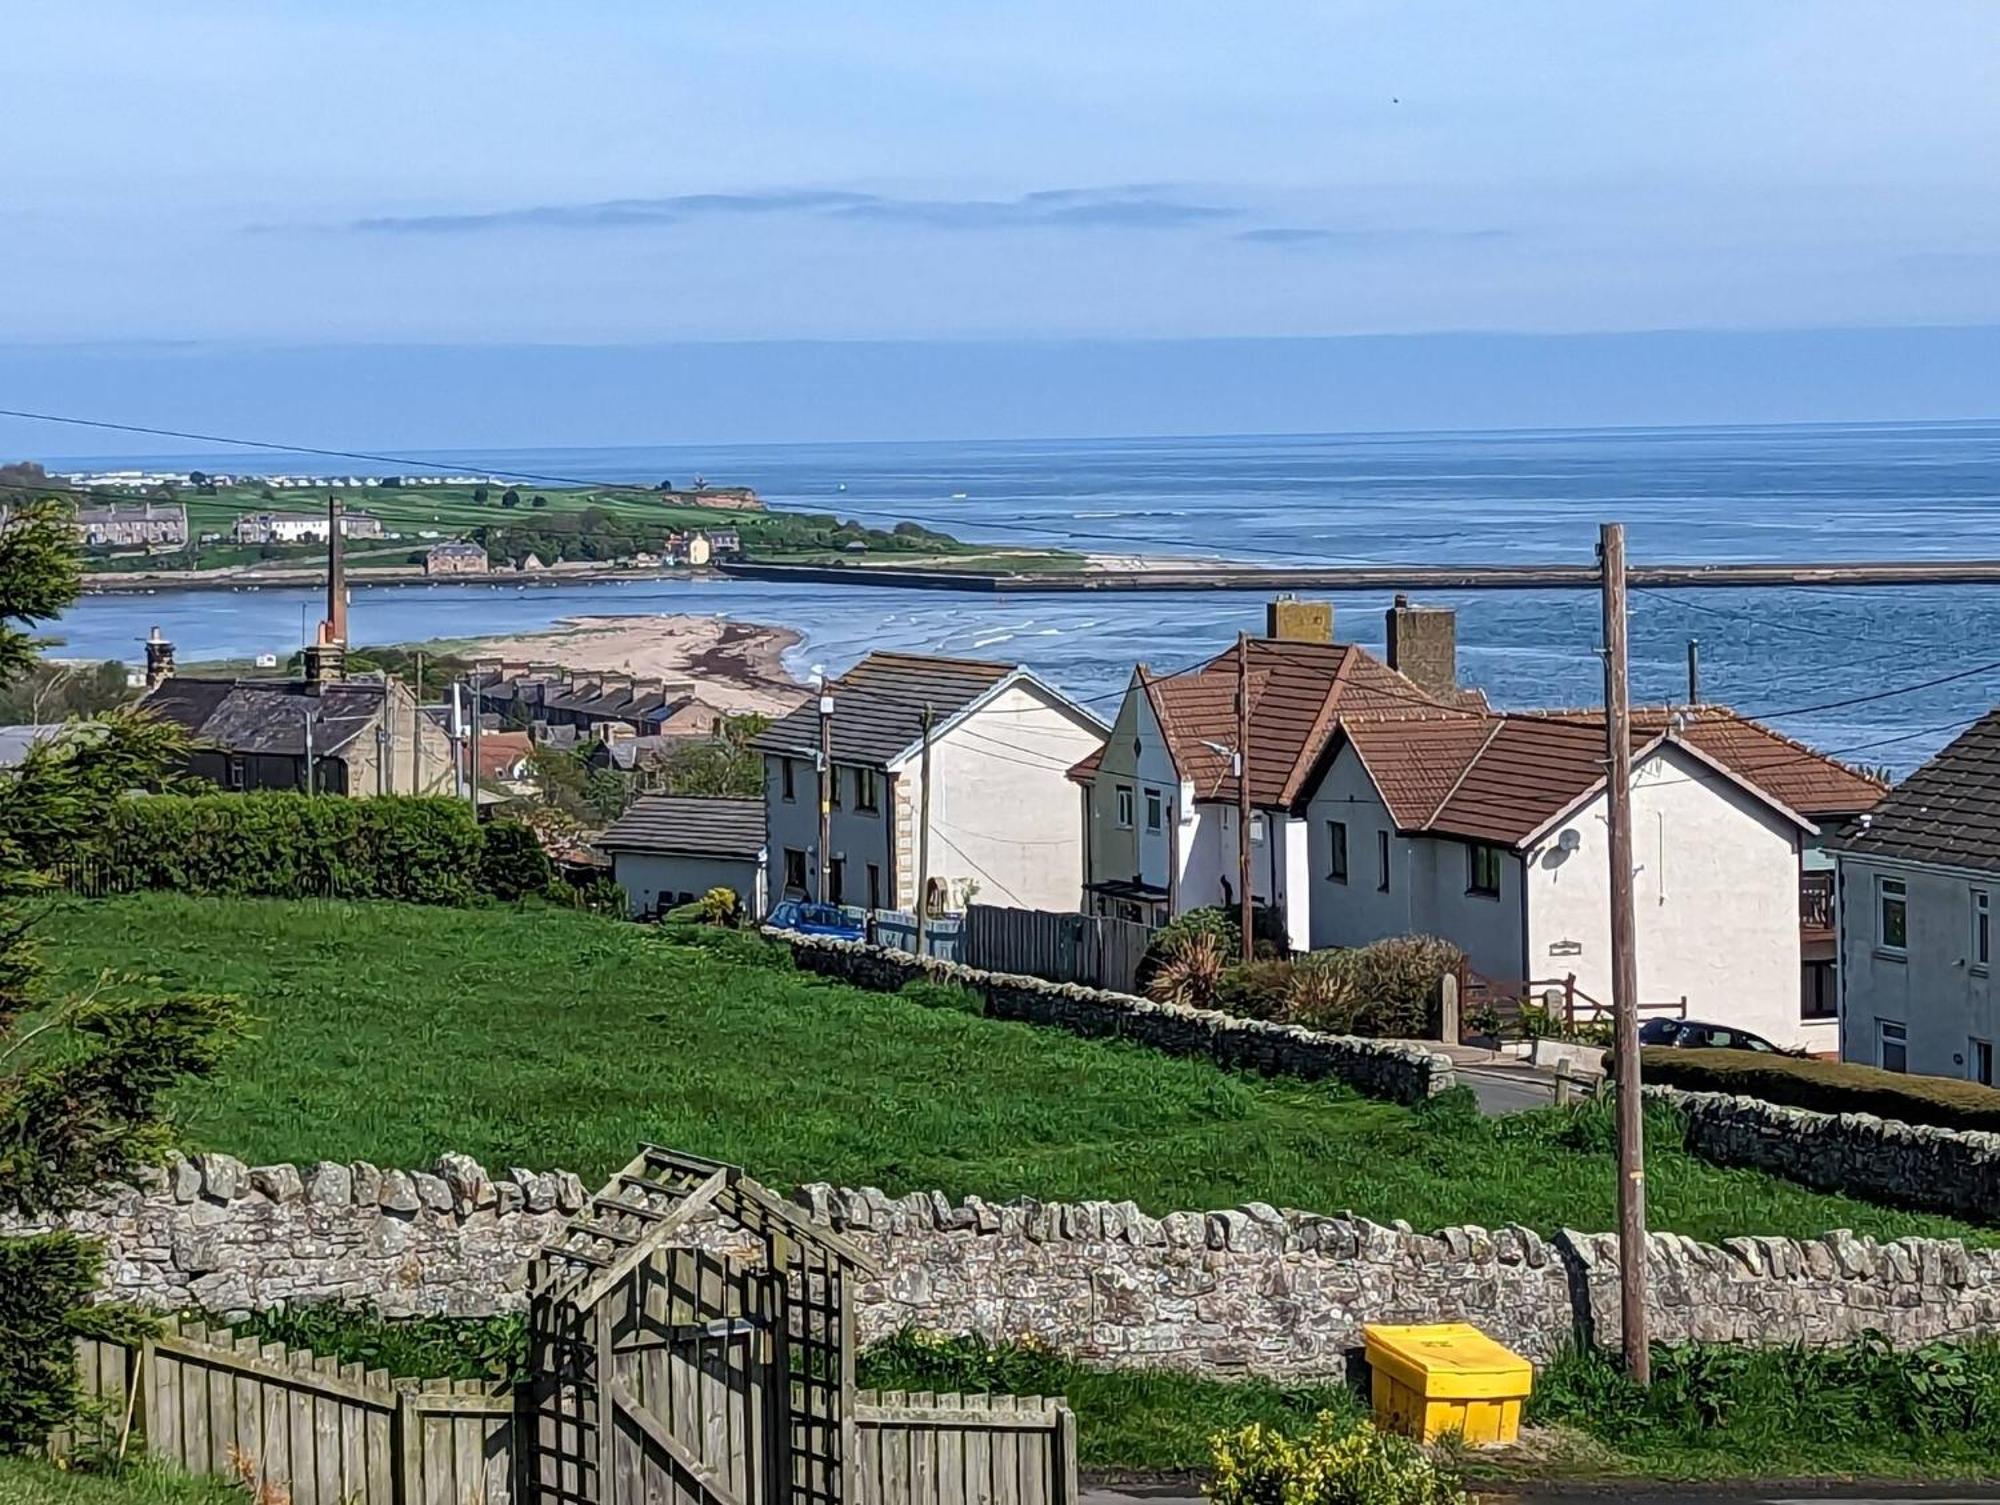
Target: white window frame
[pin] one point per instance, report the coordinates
(1892, 891)
(1125, 807)
(1156, 810)
(1890, 1032)
(1256, 827)
(1982, 929)
(1336, 851)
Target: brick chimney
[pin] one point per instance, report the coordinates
(1294, 621)
(1423, 646)
(159, 659)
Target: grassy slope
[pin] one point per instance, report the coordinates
(29, 1481)
(543, 1038)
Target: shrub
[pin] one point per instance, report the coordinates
(43, 1280)
(1257, 990)
(294, 846)
(1336, 1463)
(450, 1348)
(512, 864)
(1826, 1086)
(1324, 993)
(1267, 930)
(1398, 980)
(1190, 973)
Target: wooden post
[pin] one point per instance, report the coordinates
(1624, 962)
(825, 789)
(1449, 1023)
(409, 1434)
(924, 835)
(1243, 792)
(1562, 1082)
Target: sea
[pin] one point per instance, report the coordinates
(1881, 676)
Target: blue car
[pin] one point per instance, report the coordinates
(816, 919)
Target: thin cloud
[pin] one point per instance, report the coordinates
(1143, 206)
(1308, 237)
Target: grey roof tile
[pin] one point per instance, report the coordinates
(684, 826)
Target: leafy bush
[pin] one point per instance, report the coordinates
(1826, 1086)
(1338, 1462)
(512, 864)
(1398, 980)
(1267, 930)
(1257, 990)
(43, 1281)
(1325, 994)
(441, 1348)
(294, 846)
(1190, 973)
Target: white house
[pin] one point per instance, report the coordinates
(1490, 831)
(1002, 814)
(1917, 884)
(668, 850)
(1160, 801)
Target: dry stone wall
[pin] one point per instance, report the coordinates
(1393, 1069)
(1953, 1171)
(1250, 1289)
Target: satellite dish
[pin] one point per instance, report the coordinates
(1569, 841)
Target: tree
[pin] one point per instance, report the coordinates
(539, 501)
(82, 1079)
(479, 495)
(510, 498)
(49, 693)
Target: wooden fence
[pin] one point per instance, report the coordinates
(207, 1402)
(1088, 949)
(925, 1449)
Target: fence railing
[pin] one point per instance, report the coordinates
(1091, 949)
(321, 1432)
(1504, 999)
(897, 929)
(918, 1448)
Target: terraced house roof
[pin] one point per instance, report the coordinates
(1946, 813)
(678, 825)
(878, 706)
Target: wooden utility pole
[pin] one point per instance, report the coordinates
(1242, 761)
(924, 835)
(825, 789)
(472, 746)
(1624, 962)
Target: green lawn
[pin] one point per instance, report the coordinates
(29, 1481)
(543, 1038)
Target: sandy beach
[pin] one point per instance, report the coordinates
(736, 666)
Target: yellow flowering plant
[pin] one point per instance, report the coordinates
(1335, 1463)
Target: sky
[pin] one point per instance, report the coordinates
(384, 190)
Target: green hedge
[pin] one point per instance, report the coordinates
(43, 1280)
(1826, 1086)
(278, 845)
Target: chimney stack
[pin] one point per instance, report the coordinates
(335, 630)
(1294, 621)
(1423, 646)
(159, 659)
(326, 663)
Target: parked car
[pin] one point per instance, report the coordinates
(1698, 1034)
(817, 919)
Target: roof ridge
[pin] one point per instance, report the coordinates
(1499, 724)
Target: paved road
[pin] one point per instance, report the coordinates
(1626, 1493)
(1508, 1089)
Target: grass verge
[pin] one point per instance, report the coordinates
(545, 1038)
(31, 1481)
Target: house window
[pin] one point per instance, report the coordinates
(1979, 1062)
(1982, 928)
(235, 773)
(1382, 860)
(837, 881)
(790, 786)
(1152, 809)
(874, 886)
(1892, 1045)
(1482, 870)
(1124, 807)
(795, 871)
(1336, 843)
(1256, 825)
(833, 786)
(1817, 998)
(1892, 906)
(867, 793)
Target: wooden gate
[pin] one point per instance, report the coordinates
(691, 1346)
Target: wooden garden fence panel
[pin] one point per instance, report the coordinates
(919, 1448)
(209, 1403)
(1094, 950)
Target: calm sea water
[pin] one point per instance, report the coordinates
(1833, 666)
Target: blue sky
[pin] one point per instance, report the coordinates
(220, 177)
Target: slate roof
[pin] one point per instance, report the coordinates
(680, 826)
(269, 716)
(878, 706)
(1947, 812)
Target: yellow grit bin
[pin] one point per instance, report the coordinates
(1446, 1377)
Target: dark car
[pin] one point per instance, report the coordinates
(1698, 1034)
(817, 919)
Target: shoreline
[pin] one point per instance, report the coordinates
(733, 666)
